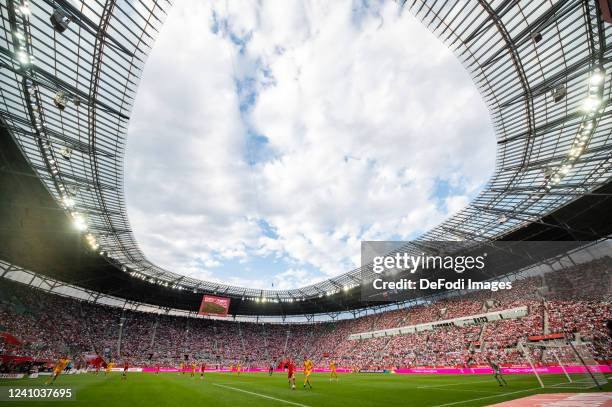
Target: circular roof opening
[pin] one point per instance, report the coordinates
(268, 140)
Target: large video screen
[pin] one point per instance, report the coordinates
(212, 305)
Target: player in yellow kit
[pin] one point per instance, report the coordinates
(181, 368)
(238, 368)
(109, 368)
(193, 369)
(308, 365)
(58, 369)
(332, 368)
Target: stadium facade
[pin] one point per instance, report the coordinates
(69, 76)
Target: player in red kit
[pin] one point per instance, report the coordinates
(202, 369)
(157, 369)
(291, 373)
(126, 366)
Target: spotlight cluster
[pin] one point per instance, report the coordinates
(263, 300)
(26, 59)
(91, 239)
(590, 108)
(160, 282)
(277, 299)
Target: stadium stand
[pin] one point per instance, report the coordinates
(46, 325)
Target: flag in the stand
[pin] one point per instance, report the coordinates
(9, 339)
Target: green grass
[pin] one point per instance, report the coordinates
(225, 389)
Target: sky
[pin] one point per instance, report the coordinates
(269, 138)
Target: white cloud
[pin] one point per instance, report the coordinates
(294, 278)
(365, 114)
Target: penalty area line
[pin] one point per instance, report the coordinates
(487, 397)
(454, 384)
(259, 395)
(471, 391)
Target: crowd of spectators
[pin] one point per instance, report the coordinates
(569, 301)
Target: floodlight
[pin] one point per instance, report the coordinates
(79, 222)
(596, 79)
(591, 103)
(536, 37)
(575, 152)
(559, 93)
(59, 100)
(66, 152)
(59, 20)
(68, 201)
(23, 57)
(24, 9)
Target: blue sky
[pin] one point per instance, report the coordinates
(269, 138)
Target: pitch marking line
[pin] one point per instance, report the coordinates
(453, 384)
(487, 397)
(259, 395)
(471, 391)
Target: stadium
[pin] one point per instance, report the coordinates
(87, 318)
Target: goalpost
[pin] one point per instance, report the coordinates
(578, 368)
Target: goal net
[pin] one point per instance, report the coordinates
(563, 363)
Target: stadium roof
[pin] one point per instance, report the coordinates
(39, 246)
(543, 69)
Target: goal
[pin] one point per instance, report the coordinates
(563, 363)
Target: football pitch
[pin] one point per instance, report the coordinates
(259, 389)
